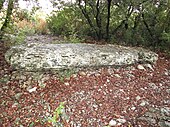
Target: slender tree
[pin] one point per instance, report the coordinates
(93, 11)
(8, 17)
(108, 19)
(1, 4)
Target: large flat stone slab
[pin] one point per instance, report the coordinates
(38, 57)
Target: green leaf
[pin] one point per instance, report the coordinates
(32, 124)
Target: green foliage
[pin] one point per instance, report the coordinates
(60, 22)
(145, 23)
(65, 74)
(31, 124)
(27, 30)
(4, 79)
(17, 36)
(55, 119)
(129, 23)
(22, 14)
(2, 17)
(165, 44)
(166, 36)
(73, 38)
(67, 23)
(12, 36)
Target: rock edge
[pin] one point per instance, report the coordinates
(39, 57)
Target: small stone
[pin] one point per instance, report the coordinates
(167, 102)
(118, 124)
(160, 84)
(28, 82)
(100, 105)
(74, 75)
(104, 85)
(32, 89)
(164, 124)
(95, 106)
(15, 105)
(153, 85)
(127, 98)
(167, 123)
(140, 67)
(97, 74)
(143, 103)
(121, 121)
(149, 66)
(82, 73)
(108, 80)
(133, 108)
(5, 87)
(166, 73)
(138, 98)
(117, 75)
(18, 95)
(23, 77)
(47, 77)
(66, 83)
(165, 111)
(168, 91)
(112, 123)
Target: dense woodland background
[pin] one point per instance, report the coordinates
(129, 22)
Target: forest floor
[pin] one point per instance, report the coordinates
(132, 96)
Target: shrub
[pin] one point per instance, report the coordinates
(59, 22)
(26, 26)
(41, 26)
(14, 39)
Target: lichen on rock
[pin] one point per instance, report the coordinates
(34, 57)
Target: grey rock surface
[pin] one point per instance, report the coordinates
(157, 117)
(38, 57)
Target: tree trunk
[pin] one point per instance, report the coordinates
(147, 26)
(108, 19)
(98, 21)
(1, 4)
(123, 22)
(86, 15)
(8, 17)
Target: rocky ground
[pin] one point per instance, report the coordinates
(132, 96)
